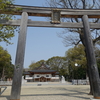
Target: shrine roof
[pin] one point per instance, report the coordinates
(43, 71)
(27, 73)
(42, 67)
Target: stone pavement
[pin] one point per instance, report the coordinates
(50, 91)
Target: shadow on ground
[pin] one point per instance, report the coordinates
(70, 93)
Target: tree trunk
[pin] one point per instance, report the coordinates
(3, 74)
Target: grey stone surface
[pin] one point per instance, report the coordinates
(51, 91)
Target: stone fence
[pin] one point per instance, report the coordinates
(5, 83)
(80, 82)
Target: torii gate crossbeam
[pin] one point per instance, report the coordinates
(31, 23)
(46, 11)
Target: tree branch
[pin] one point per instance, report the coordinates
(70, 4)
(97, 39)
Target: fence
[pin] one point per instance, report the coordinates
(4, 83)
(80, 82)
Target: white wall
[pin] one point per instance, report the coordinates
(28, 77)
(40, 75)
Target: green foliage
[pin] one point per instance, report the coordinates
(59, 64)
(9, 71)
(6, 68)
(6, 32)
(77, 55)
(3, 3)
(55, 63)
(34, 65)
(4, 56)
(66, 65)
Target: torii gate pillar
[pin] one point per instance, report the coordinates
(92, 65)
(19, 61)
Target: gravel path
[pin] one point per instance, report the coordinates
(51, 92)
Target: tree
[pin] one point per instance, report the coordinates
(9, 71)
(5, 64)
(34, 65)
(55, 63)
(76, 4)
(6, 32)
(79, 4)
(59, 64)
(77, 55)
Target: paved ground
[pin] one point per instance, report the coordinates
(51, 91)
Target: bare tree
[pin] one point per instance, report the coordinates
(77, 4)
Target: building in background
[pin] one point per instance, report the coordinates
(42, 74)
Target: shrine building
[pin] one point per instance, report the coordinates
(42, 74)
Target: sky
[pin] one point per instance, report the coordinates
(41, 43)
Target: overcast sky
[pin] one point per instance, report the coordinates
(41, 43)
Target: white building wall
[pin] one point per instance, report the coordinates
(42, 75)
(28, 77)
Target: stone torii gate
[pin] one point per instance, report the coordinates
(55, 14)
